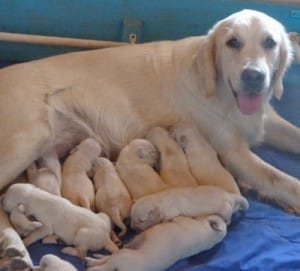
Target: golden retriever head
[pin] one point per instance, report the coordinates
(248, 52)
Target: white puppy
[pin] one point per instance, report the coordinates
(73, 224)
(174, 169)
(47, 175)
(202, 158)
(112, 196)
(164, 244)
(135, 167)
(76, 185)
(185, 201)
(13, 253)
(51, 262)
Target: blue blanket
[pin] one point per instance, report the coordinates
(264, 238)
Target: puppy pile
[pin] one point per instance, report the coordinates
(170, 185)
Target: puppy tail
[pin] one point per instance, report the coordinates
(117, 220)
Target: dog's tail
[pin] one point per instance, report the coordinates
(117, 220)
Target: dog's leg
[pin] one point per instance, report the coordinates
(11, 245)
(281, 134)
(19, 148)
(36, 235)
(268, 181)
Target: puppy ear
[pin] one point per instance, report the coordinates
(285, 58)
(206, 64)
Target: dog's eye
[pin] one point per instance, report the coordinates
(269, 43)
(234, 43)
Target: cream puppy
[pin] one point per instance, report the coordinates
(202, 159)
(76, 185)
(112, 196)
(21, 223)
(135, 166)
(84, 229)
(174, 169)
(13, 253)
(162, 245)
(51, 262)
(185, 201)
(47, 175)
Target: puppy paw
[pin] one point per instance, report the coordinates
(217, 223)
(240, 203)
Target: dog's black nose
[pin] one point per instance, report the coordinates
(253, 80)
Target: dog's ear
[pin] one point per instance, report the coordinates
(206, 64)
(285, 58)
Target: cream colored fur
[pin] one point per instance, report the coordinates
(173, 168)
(202, 159)
(115, 95)
(185, 201)
(76, 185)
(112, 196)
(135, 166)
(162, 245)
(84, 229)
(51, 262)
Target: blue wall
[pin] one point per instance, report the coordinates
(102, 19)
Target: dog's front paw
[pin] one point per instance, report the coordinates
(217, 224)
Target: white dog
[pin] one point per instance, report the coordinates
(185, 201)
(221, 82)
(76, 185)
(173, 169)
(164, 244)
(135, 166)
(202, 158)
(51, 262)
(112, 197)
(84, 229)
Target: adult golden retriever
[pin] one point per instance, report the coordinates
(222, 82)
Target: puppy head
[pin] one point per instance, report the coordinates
(144, 151)
(89, 147)
(15, 196)
(144, 216)
(248, 52)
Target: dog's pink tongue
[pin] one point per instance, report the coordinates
(249, 104)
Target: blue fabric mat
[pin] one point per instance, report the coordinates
(264, 238)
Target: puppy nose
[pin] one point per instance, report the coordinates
(252, 79)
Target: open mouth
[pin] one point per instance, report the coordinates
(248, 103)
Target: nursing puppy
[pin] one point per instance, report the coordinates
(51, 262)
(135, 167)
(173, 168)
(202, 159)
(76, 185)
(162, 245)
(46, 173)
(85, 229)
(13, 253)
(185, 201)
(112, 196)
